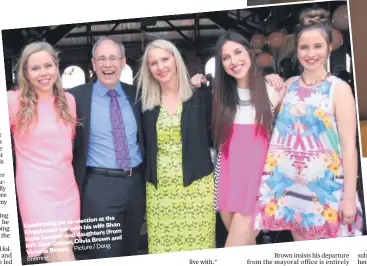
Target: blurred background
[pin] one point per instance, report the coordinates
(270, 30)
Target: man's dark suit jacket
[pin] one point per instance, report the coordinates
(83, 98)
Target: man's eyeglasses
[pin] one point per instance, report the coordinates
(103, 60)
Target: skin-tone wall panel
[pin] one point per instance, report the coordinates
(359, 36)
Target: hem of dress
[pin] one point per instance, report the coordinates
(236, 211)
(306, 236)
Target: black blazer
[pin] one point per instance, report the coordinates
(195, 134)
(83, 98)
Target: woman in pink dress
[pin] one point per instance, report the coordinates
(242, 123)
(42, 121)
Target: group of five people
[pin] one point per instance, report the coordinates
(286, 153)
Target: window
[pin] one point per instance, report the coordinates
(348, 62)
(210, 67)
(72, 76)
(328, 64)
(127, 75)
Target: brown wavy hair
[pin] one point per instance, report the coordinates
(28, 98)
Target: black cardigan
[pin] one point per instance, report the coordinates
(195, 134)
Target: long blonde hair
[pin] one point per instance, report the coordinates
(150, 87)
(27, 113)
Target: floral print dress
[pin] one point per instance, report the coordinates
(302, 184)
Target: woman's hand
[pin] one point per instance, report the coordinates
(198, 80)
(275, 81)
(348, 210)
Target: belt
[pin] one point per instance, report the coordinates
(114, 172)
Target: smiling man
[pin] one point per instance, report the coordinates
(108, 155)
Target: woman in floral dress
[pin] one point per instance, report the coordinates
(309, 180)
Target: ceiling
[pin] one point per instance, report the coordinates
(191, 32)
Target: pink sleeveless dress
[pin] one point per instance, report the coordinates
(240, 162)
(47, 192)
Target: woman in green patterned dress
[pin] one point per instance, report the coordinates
(179, 170)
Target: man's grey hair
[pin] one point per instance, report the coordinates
(106, 38)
